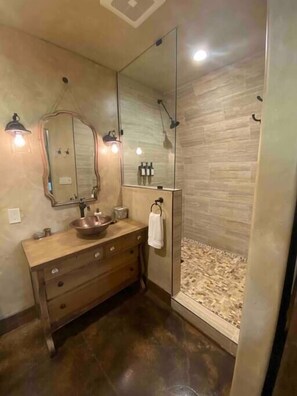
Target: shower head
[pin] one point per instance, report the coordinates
(174, 123)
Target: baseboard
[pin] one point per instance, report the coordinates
(14, 321)
(162, 294)
(227, 341)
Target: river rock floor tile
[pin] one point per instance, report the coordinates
(214, 278)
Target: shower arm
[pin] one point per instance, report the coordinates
(160, 101)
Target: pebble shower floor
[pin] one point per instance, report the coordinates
(214, 278)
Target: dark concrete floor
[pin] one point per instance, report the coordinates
(129, 346)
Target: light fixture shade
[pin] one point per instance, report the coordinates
(110, 138)
(15, 126)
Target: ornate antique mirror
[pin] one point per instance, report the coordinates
(69, 150)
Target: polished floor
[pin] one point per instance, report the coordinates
(214, 278)
(132, 345)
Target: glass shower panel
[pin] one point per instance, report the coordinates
(147, 105)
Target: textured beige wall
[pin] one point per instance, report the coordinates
(217, 153)
(274, 202)
(159, 261)
(30, 83)
(145, 125)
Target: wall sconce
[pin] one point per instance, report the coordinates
(111, 140)
(17, 130)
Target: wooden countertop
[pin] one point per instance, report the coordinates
(66, 243)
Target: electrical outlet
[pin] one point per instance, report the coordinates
(14, 216)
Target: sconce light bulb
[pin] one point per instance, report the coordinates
(200, 55)
(139, 151)
(19, 140)
(114, 148)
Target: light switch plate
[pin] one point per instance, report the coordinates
(14, 216)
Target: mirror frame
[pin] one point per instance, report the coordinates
(46, 167)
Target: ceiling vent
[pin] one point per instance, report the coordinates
(135, 12)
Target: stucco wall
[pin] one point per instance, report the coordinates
(274, 205)
(30, 84)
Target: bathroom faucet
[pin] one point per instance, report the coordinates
(82, 206)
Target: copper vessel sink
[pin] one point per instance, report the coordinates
(91, 225)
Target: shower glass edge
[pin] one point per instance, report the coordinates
(147, 137)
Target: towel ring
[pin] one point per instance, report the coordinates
(159, 206)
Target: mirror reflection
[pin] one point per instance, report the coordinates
(70, 149)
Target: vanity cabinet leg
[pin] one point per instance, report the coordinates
(45, 315)
(50, 344)
(142, 266)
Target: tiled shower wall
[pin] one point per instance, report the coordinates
(217, 153)
(145, 125)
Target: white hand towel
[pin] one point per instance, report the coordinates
(155, 233)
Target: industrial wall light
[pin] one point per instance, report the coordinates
(17, 130)
(111, 140)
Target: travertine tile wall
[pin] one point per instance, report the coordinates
(61, 165)
(145, 125)
(217, 153)
(84, 157)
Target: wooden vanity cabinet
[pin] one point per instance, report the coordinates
(71, 274)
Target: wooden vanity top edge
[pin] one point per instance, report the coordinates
(66, 243)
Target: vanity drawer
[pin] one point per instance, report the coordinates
(71, 263)
(80, 300)
(127, 242)
(62, 284)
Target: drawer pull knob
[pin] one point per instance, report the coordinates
(112, 248)
(131, 251)
(55, 271)
(60, 284)
(63, 306)
(131, 269)
(138, 237)
(97, 254)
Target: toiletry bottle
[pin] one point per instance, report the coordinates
(47, 232)
(148, 169)
(152, 169)
(143, 170)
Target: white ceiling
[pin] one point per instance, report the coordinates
(228, 29)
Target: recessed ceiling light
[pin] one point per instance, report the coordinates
(200, 55)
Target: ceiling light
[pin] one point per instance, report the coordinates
(200, 55)
(139, 151)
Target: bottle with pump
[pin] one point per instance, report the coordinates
(152, 169)
(143, 170)
(148, 169)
